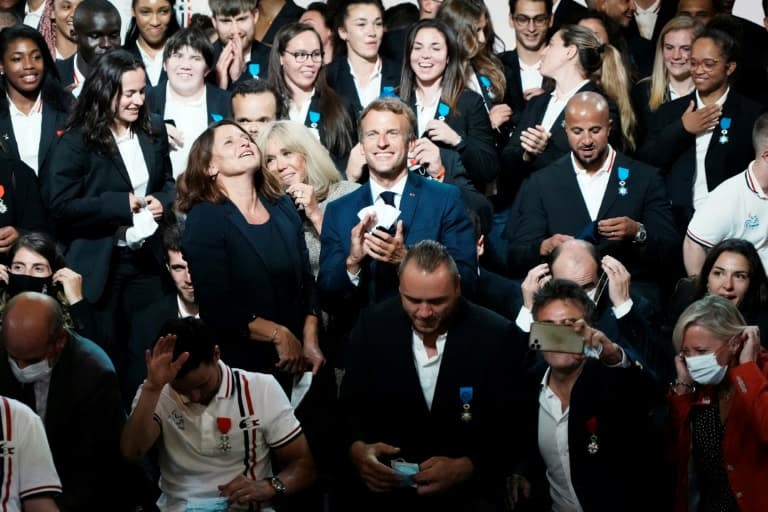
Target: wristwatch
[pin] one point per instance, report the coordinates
(277, 484)
(641, 234)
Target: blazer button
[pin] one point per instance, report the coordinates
(729, 467)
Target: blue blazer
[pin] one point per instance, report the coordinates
(430, 211)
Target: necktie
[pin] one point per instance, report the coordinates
(388, 197)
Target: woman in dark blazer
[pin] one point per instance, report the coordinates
(24, 54)
(244, 244)
(108, 183)
(448, 113)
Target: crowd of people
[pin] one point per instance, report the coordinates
(351, 258)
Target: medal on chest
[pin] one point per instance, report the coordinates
(224, 424)
(592, 446)
(725, 125)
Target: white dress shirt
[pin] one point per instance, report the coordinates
(646, 19)
(26, 130)
(372, 89)
(425, 112)
(530, 76)
(427, 367)
(700, 189)
(133, 158)
(32, 18)
(191, 117)
(554, 449)
(593, 186)
(557, 104)
(298, 113)
(152, 65)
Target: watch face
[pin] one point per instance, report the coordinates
(277, 484)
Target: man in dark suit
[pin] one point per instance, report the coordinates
(70, 382)
(590, 412)
(357, 260)
(424, 377)
(700, 140)
(597, 194)
(97, 30)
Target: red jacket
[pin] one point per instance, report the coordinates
(745, 442)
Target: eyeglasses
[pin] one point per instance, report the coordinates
(317, 56)
(707, 64)
(523, 20)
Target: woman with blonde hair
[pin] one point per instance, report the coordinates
(308, 175)
(671, 76)
(244, 245)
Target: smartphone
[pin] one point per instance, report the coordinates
(547, 337)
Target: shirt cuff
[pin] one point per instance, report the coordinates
(524, 319)
(624, 363)
(354, 278)
(623, 309)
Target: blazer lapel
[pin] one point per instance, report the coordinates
(313, 115)
(567, 186)
(612, 190)
(409, 201)
(7, 135)
(149, 150)
(717, 151)
(47, 133)
(117, 160)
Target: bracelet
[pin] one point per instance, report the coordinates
(691, 387)
(274, 335)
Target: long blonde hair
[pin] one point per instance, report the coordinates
(614, 81)
(295, 137)
(659, 76)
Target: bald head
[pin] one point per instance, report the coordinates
(576, 260)
(587, 103)
(33, 327)
(588, 126)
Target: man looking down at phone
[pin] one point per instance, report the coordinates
(585, 418)
(596, 193)
(623, 316)
(425, 375)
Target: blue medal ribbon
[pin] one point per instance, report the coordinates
(623, 174)
(725, 123)
(314, 118)
(217, 117)
(387, 91)
(466, 393)
(254, 69)
(443, 110)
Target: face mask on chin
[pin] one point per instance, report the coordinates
(19, 283)
(30, 373)
(705, 369)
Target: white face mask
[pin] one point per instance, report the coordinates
(30, 373)
(705, 369)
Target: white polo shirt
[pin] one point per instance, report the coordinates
(193, 463)
(26, 463)
(737, 208)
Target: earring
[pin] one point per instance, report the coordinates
(213, 176)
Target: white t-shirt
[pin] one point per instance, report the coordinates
(257, 417)
(27, 464)
(737, 208)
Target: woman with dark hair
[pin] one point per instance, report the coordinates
(185, 101)
(296, 71)
(316, 15)
(153, 22)
(572, 58)
(37, 265)
(244, 244)
(109, 182)
(448, 113)
(34, 102)
(733, 270)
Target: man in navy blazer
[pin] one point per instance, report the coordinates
(357, 262)
(595, 193)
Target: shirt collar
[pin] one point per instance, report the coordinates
(720, 100)
(653, 9)
(376, 70)
(119, 139)
(38, 11)
(532, 67)
(397, 188)
(36, 108)
(753, 184)
(197, 102)
(606, 167)
(226, 385)
(183, 312)
(569, 94)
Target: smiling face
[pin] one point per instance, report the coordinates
(362, 30)
(621, 11)
(385, 143)
(241, 25)
(63, 18)
(301, 75)
(152, 19)
(186, 69)
(127, 104)
(729, 277)
(676, 50)
(234, 153)
(429, 56)
(24, 67)
(287, 165)
(530, 21)
(709, 67)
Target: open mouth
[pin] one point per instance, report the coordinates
(246, 154)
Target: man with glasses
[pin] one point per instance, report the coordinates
(361, 249)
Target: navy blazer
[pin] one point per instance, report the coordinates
(516, 169)
(233, 284)
(316, 120)
(339, 77)
(87, 191)
(551, 203)
(671, 148)
(478, 147)
(52, 127)
(430, 210)
(217, 102)
(382, 399)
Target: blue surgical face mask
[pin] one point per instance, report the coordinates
(30, 373)
(705, 369)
